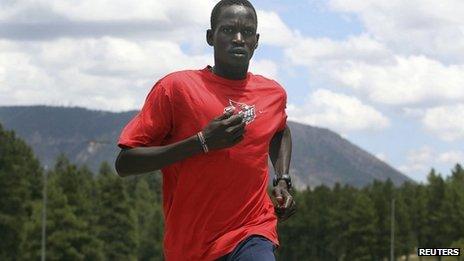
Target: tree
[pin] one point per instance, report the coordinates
(150, 220)
(360, 235)
(67, 235)
(78, 186)
(436, 220)
(20, 186)
(117, 222)
(453, 205)
(381, 194)
(340, 220)
(323, 205)
(404, 237)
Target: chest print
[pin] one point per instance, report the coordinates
(248, 111)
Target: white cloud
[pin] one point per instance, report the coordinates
(413, 112)
(107, 73)
(105, 10)
(367, 66)
(267, 68)
(447, 122)
(337, 111)
(273, 30)
(415, 27)
(313, 52)
(408, 81)
(420, 161)
(176, 20)
(451, 157)
(409, 58)
(422, 155)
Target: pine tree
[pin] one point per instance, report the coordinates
(323, 210)
(409, 208)
(419, 215)
(20, 187)
(150, 220)
(436, 221)
(117, 222)
(404, 239)
(360, 235)
(453, 206)
(77, 185)
(381, 194)
(30, 248)
(67, 235)
(340, 220)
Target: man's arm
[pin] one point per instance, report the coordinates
(222, 132)
(145, 159)
(280, 152)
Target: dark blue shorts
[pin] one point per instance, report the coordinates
(253, 248)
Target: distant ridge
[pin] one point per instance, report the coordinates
(89, 137)
(324, 157)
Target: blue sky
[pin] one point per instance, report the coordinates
(386, 75)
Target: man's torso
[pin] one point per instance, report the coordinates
(213, 201)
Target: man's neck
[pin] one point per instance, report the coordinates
(230, 72)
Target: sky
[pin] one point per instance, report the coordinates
(386, 75)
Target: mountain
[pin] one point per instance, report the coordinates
(321, 156)
(89, 137)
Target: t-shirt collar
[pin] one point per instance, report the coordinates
(208, 72)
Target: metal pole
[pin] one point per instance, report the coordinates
(44, 215)
(392, 232)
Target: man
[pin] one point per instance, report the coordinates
(210, 132)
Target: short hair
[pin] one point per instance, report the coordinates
(223, 3)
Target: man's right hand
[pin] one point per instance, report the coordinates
(224, 131)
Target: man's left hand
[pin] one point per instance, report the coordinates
(285, 206)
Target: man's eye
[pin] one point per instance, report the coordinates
(227, 30)
(248, 32)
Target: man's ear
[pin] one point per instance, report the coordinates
(257, 41)
(209, 37)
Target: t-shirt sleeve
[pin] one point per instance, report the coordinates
(283, 114)
(152, 124)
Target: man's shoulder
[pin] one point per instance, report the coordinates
(177, 76)
(263, 80)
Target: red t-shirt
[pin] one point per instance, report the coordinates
(212, 201)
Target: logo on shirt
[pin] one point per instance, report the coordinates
(248, 111)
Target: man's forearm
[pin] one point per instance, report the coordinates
(280, 151)
(145, 159)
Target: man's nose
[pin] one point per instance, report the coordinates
(238, 38)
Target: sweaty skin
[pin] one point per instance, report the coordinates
(234, 39)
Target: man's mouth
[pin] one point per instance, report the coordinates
(241, 51)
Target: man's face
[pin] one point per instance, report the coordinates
(234, 37)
